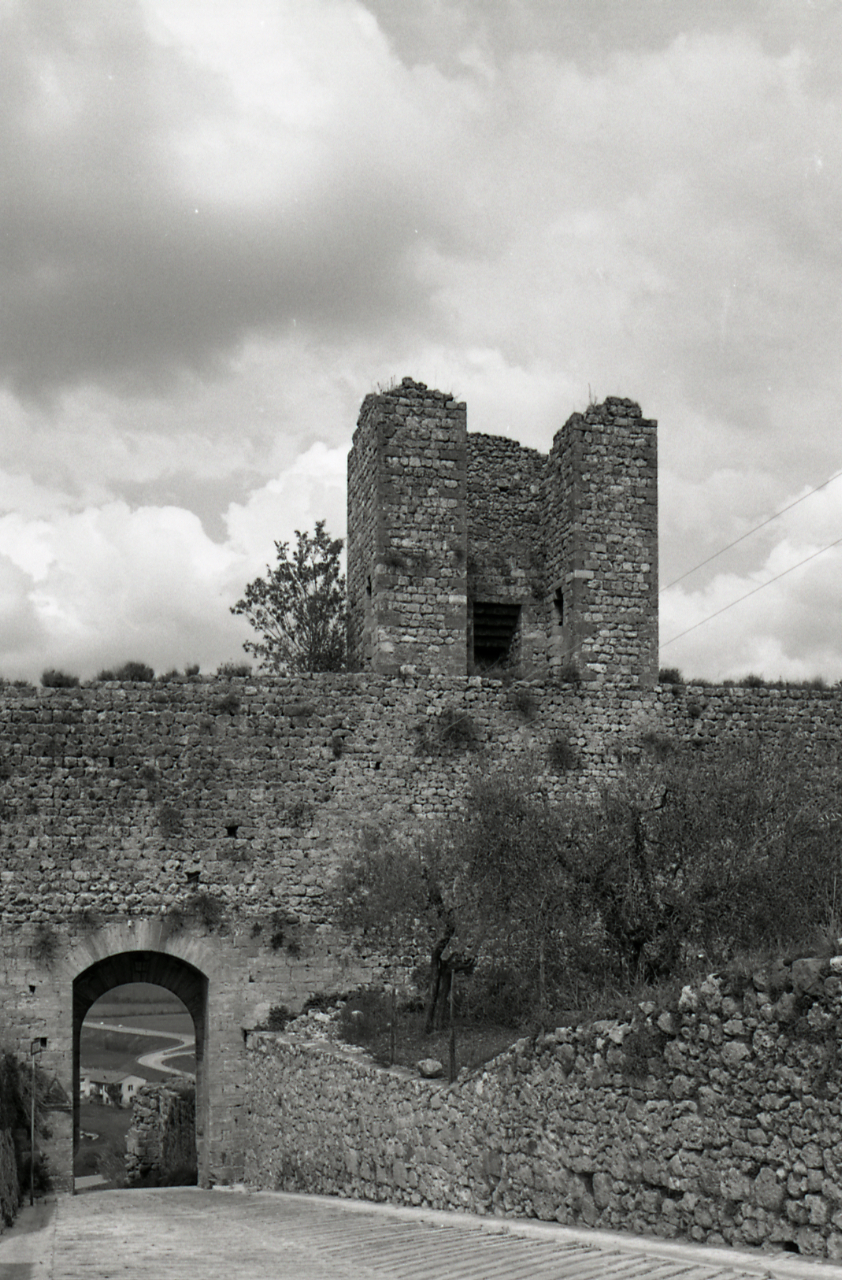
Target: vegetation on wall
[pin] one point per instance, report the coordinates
(687, 861)
(15, 1112)
(298, 609)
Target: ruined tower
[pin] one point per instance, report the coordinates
(602, 545)
(407, 536)
(471, 554)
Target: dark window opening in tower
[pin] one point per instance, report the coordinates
(558, 602)
(495, 625)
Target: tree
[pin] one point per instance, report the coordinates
(714, 852)
(299, 608)
(691, 855)
(413, 898)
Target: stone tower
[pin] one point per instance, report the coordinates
(407, 535)
(472, 554)
(602, 552)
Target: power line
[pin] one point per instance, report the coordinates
(753, 592)
(743, 536)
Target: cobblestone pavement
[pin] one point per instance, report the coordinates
(177, 1234)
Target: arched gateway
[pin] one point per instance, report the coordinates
(176, 975)
(210, 976)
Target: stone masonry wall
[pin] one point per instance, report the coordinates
(602, 553)
(571, 538)
(718, 1120)
(362, 541)
(124, 801)
(201, 822)
(505, 498)
(407, 476)
(161, 1141)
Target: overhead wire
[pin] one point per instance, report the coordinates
(753, 592)
(748, 534)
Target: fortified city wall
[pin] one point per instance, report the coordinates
(187, 832)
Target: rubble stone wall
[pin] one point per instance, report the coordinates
(717, 1120)
(571, 538)
(161, 1141)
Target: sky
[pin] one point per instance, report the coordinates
(223, 223)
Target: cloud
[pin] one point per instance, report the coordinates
(106, 585)
(223, 226)
(157, 214)
(313, 488)
(89, 589)
(778, 616)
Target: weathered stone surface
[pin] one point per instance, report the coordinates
(161, 1141)
(736, 1148)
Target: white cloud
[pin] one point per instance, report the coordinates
(225, 225)
(312, 489)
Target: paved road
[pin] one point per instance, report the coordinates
(157, 1059)
(181, 1233)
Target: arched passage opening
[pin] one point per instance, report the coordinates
(178, 976)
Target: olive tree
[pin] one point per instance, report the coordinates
(691, 857)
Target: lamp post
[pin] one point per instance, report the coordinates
(36, 1045)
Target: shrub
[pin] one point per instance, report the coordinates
(170, 820)
(202, 907)
(207, 909)
(670, 675)
(496, 995)
(233, 670)
(44, 944)
(229, 705)
(561, 755)
(282, 928)
(192, 670)
(58, 680)
(279, 1016)
(659, 744)
(641, 1046)
(106, 675)
(134, 672)
(321, 1000)
(453, 730)
(299, 814)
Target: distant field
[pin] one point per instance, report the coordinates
(118, 1012)
(172, 1021)
(184, 1062)
(117, 1051)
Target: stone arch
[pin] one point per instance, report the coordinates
(175, 974)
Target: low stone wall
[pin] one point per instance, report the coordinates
(717, 1120)
(161, 1142)
(9, 1184)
